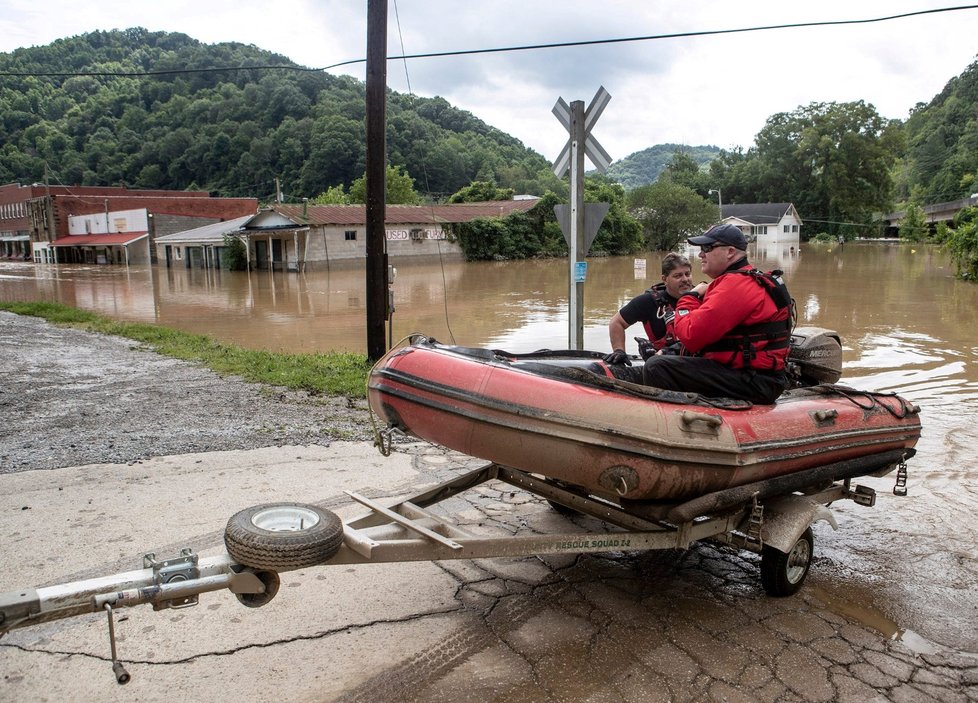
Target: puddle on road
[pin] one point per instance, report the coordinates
(874, 619)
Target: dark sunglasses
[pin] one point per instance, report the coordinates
(707, 248)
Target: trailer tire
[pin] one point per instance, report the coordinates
(283, 536)
(571, 487)
(782, 574)
(271, 581)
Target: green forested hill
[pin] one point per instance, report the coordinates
(942, 143)
(643, 167)
(233, 131)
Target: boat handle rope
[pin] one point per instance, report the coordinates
(905, 406)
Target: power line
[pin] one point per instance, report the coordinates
(504, 49)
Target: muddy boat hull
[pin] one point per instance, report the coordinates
(613, 439)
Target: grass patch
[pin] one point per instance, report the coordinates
(333, 373)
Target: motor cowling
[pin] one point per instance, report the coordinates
(815, 356)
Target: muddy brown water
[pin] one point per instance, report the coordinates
(907, 567)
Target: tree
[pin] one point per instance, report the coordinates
(683, 170)
(331, 196)
(962, 242)
(233, 255)
(620, 233)
(399, 190)
(832, 160)
(669, 213)
(913, 226)
(231, 132)
(481, 191)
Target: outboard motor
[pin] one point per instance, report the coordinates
(815, 356)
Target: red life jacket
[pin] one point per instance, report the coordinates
(763, 345)
(660, 334)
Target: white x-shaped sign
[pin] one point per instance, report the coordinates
(592, 149)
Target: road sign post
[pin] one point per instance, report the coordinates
(579, 222)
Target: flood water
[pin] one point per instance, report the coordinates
(909, 565)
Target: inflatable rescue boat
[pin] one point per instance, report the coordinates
(561, 415)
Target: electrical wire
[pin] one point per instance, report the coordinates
(424, 174)
(502, 49)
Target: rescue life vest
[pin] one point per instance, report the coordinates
(658, 332)
(776, 334)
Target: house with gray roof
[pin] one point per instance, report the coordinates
(764, 220)
(309, 237)
(199, 247)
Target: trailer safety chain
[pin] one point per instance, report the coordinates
(900, 489)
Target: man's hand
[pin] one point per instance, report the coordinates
(618, 356)
(645, 348)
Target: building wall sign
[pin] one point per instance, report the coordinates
(398, 235)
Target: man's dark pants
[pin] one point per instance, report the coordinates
(694, 374)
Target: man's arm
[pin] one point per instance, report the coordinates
(702, 320)
(616, 331)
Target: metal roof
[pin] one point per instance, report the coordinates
(208, 234)
(325, 215)
(94, 240)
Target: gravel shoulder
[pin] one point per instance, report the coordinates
(70, 398)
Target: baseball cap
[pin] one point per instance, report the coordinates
(727, 234)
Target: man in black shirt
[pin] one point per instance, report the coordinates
(653, 308)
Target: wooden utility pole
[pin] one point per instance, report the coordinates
(376, 125)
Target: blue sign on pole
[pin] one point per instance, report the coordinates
(580, 271)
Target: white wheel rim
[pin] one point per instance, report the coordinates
(285, 518)
(798, 559)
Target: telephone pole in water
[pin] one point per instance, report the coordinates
(376, 120)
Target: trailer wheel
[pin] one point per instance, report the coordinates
(283, 536)
(782, 574)
(271, 581)
(572, 488)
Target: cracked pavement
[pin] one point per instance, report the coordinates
(672, 625)
(879, 618)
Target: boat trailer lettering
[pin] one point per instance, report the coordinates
(594, 544)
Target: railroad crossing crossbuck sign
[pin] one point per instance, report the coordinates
(578, 221)
(592, 149)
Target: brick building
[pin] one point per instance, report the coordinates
(96, 224)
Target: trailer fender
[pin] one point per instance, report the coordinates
(786, 519)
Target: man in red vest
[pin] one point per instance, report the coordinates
(735, 331)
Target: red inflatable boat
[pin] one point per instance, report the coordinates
(560, 415)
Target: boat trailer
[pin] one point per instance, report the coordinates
(266, 540)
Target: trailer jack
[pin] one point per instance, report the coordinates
(121, 675)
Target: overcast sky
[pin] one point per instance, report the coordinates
(715, 90)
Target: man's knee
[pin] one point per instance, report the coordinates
(658, 369)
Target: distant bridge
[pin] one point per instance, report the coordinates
(938, 212)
